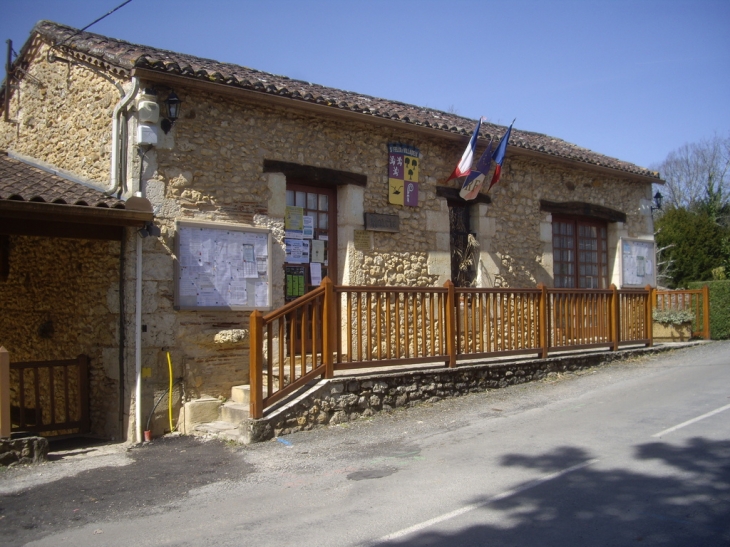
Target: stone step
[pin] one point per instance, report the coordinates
(241, 394)
(220, 430)
(234, 413)
(200, 411)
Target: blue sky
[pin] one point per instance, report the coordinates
(632, 79)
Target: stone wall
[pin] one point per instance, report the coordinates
(343, 400)
(23, 451)
(61, 299)
(518, 236)
(63, 116)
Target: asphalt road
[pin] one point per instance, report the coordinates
(633, 453)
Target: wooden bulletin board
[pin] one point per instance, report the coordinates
(222, 267)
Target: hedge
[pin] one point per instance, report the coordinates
(719, 307)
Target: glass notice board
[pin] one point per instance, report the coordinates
(222, 266)
(638, 263)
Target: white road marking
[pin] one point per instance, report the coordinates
(471, 507)
(693, 420)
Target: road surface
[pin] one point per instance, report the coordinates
(632, 453)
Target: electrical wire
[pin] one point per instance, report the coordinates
(94, 22)
(159, 399)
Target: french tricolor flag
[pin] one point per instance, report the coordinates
(498, 156)
(464, 166)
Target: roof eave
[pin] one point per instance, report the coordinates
(78, 214)
(517, 151)
(291, 102)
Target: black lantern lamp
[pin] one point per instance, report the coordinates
(173, 111)
(658, 198)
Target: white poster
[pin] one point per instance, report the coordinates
(638, 263)
(216, 263)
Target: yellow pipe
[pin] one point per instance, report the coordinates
(169, 393)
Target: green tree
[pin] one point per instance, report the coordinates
(695, 241)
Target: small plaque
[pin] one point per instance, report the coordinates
(363, 241)
(382, 223)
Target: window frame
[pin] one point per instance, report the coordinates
(601, 250)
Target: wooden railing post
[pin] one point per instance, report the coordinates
(450, 314)
(649, 334)
(543, 319)
(256, 364)
(4, 393)
(328, 327)
(706, 312)
(615, 317)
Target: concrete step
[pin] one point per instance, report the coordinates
(226, 431)
(241, 394)
(234, 413)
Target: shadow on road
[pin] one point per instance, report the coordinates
(684, 502)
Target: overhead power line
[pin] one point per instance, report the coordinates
(94, 22)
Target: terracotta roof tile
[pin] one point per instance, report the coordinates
(128, 56)
(22, 182)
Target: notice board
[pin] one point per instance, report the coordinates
(638, 263)
(222, 267)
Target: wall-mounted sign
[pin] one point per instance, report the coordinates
(363, 241)
(382, 223)
(404, 163)
(638, 263)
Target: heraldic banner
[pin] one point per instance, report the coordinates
(403, 166)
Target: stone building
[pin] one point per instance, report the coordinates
(246, 150)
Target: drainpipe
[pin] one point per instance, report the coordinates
(122, 333)
(138, 344)
(116, 140)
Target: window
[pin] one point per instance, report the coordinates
(464, 255)
(580, 253)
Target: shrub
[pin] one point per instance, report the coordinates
(673, 317)
(719, 307)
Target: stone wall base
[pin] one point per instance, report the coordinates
(340, 400)
(23, 451)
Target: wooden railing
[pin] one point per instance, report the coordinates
(390, 325)
(291, 346)
(338, 328)
(696, 301)
(498, 322)
(49, 397)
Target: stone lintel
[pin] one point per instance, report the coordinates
(582, 208)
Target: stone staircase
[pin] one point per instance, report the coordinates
(209, 417)
(213, 418)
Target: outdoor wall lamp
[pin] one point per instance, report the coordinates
(149, 229)
(172, 103)
(658, 198)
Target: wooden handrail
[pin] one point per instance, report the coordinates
(342, 327)
(694, 300)
(294, 304)
(450, 323)
(256, 359)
